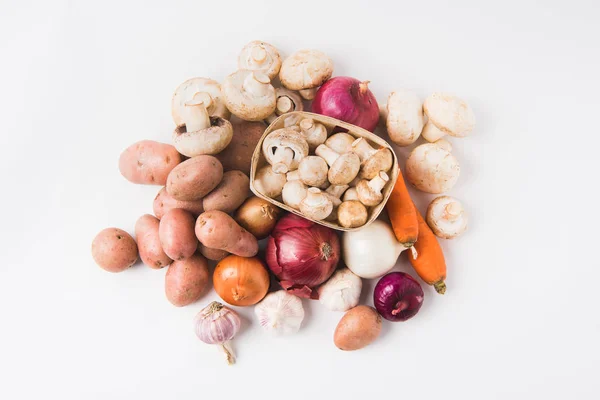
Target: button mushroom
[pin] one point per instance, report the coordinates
(350, 194)
(268, 182)
(340, 142)
(404, 117)
(446, 217)
(284, 149)
(334, 192)
(306, 70)
(372, 160)
(316, 204)
(287, 101)
(343, 168)
(249, 95)
(260, 56)
(188, 89)
(369, 191)
(293, 193)
(292, 121)
(314, 133)
(352, 214)
(201, 134)
(313, 171)
(447, 115)
(432, 169)
(444, 144)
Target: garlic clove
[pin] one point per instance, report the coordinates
(280, 313)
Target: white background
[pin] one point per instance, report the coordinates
(80, 81)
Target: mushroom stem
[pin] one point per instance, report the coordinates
(259, 55)
(327, 154)
(432, 133)
(453, 211)
(196, 117)
(284, 105)
(350, 194)
(293, 175)
(282, 159)
(337, 190)
(363, 87)
(364, 150)
(378, 183)
(308, 94)
(257, 84)
(314, 133)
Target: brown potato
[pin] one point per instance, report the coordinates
(151, 251)
(164, 202)
(212, 254)
(358, 328)
(238, 155)
(187, 280)
(229, 194)
(218, 230)
(176, 232)
(194, 178)
(148, 162)
(114, 250)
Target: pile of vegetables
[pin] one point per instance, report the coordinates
(205, 212)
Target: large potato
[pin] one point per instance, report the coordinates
(194, 178)
(238, 155)
(358, 328)
(229, 194)
(187, 280)
(176, 232)
(114, 250)
(164, 202)
(151, 251)
(217, 230)
(148, 162)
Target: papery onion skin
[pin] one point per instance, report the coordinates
(349, 100)
(241, 281)
(302, 254)
(398, 296)
(257, 216)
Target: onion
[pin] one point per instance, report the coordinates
(257, 216)
(398, 296)
(241, 281)
(349, 100)
(302, 254)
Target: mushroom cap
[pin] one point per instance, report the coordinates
(344, 169)
(367, 195)
(286, 98)
(352, 214)
(313, 170)
(316, 205)
(340, 142)
(305, 69)
(449, 114)
(244, 104)
(272, 60)
(268, 182)
(404, 117)
(446, 217)
(432, 169)
(211, 140)
(293, 193)
(186, 92)
(382, 160)
(285, 137)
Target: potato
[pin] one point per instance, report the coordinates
(217, 230)
(238, 155)
(151, 251)
(114, 250)
(212, 254)
(176, 232)
(187, 280)
(148, 162)
(164, 202)
(358, 328)
(229, 194)
(194, 178)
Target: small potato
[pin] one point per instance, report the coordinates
(358, 328)
(212, 254)
(148, 162)
(114, 250)
(238, 155)
(229, 194)
(164, 202)
(217, 230)
(176, 232)
(187, 280)
(151, 252)
(194, 178)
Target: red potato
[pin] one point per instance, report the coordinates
(148, 162)
(229, 194)
(212, 254)
(238, 154)
(187, 280)
(164, 202)
(151, 251)
(114, 250)
(194, 178)
(176, 232)
(358, 328)
(217, 230)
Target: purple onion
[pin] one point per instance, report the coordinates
(398, 296)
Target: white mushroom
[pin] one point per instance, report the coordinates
(404, 117)
(292, 121)
(447, 115)
(188, 89)
(305, 69)
(444, 144)
(260, 56)
(340, 142)
(314, 132)
(249, 95)
(287, 101)
(316, 204)
(268, 182)
(352, 214)
(201, 134)
(369, 191)
(446, 217)
(284, 149)
(432, 169)
(308, 94)
(313, 171)
(294, 192)
(350, 194)
(372, 160)
(335, 192)
(343, 168)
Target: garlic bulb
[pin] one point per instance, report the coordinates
(342, 291)
(217, 324)
(280, 313)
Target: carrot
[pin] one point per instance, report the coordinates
(429, 264)
(403, 214)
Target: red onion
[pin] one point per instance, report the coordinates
(349, 100)
(398, 296)
(302, 254)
